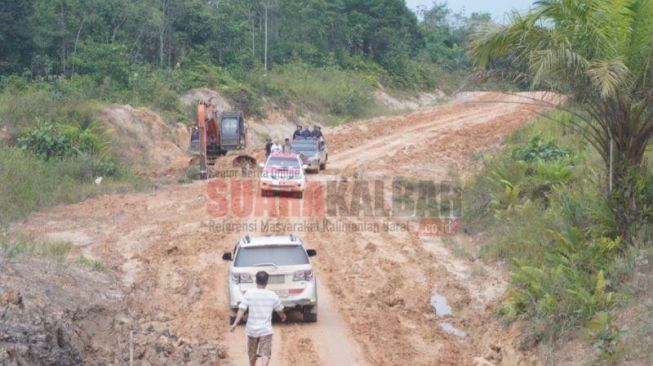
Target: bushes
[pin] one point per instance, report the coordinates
(567, 286)
(47, 142)
(539, 149)
(542, 207)
(328, 91)
(341, 93)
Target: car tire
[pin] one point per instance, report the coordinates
(309, 317)
(232, 319)
(323, 165)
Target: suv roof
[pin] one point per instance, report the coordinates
(268, 240)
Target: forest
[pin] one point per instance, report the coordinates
(42, 39)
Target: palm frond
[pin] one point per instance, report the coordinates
(556, 62)
(607, 76)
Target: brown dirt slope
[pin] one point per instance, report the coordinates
(145, 140)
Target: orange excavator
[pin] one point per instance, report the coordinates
(217, 134)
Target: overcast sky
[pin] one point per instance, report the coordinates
(495, 7)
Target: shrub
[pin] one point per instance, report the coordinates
(47, 142)
(538, 148)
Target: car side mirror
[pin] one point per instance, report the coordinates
(226, 256)
(311, 252)
(304, 166)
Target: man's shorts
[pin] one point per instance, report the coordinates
(259, 346)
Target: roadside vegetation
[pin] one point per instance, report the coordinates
(569, 204)
(541, 207)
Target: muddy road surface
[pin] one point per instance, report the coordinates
(374, 286)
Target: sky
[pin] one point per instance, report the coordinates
(495, 7)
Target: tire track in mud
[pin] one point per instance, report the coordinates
(420, 128)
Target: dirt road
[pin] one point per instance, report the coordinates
(374, 286)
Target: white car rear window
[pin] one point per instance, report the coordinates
(278, 255)
(283, 163)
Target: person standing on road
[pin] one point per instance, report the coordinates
(287, 147)
(275, 147)
(260, 303)
(268, 147)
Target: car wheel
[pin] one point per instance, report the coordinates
(232, 319)
(309, 317)
(323, 165)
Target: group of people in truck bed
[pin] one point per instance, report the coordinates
(307, 133)
(300, 132)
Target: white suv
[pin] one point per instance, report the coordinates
(287, 262)
(283, 172)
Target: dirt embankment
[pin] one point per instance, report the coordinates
(61, 314)
(144, 139)
(375, 287)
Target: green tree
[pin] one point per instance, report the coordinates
(598, 53)
(15, 45)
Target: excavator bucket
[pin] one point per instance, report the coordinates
(244, 161)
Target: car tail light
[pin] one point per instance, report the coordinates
(303, 275)
(241, 277)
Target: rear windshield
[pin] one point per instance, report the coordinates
(278, 255)
(283, 163)
(305, 146)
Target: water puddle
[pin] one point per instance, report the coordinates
(447, 327)
(442, 309)
(440, 305)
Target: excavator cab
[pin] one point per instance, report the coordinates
(232, 127)
(216, 134)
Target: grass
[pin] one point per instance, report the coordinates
(58, 252)
(92, 264)
(23, 247)
(28, 183)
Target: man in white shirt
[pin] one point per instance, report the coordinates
(260, 303)
(276, 147)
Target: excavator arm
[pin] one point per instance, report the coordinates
(201, 125)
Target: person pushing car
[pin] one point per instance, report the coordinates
(260, 303)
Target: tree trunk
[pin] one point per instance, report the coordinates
(265, 57)
(162, 31)
(79, 32)
(624, 197)
(161, 45)
(64, 41)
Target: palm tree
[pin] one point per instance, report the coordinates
(599, 53)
